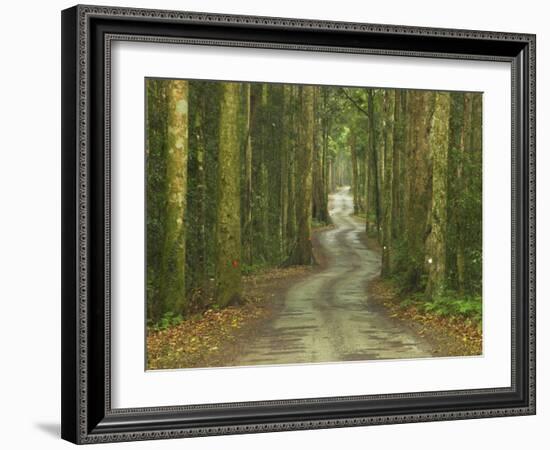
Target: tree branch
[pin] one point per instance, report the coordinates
(354, 102)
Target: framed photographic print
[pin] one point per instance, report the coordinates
(278, 224)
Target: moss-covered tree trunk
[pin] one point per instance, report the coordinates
(302, 251)
(389, 114)
(475, 195)
(173, 255)
(228, 220)
(247, 182)
(456, 123)
(156, 152)
(439, 145)
(460, 181)
(320, 209)
(285, 150)
(419, 179)
(373, 195)
(291, 129)
(397, 180)
(354, 174)
(199, 258)
(262, 192)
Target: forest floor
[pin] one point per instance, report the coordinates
(447, 335)
(215, 337)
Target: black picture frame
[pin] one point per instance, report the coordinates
(87, 416)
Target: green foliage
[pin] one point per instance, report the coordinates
(317, 224)
(342, 122)
(168, 320)
(469, 307)
(250, 269)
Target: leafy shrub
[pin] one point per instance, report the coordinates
(450, 305)
(169, 319)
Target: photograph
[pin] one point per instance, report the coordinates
(299, 224)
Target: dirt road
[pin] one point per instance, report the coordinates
(327, 316)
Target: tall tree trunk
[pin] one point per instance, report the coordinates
(228, 221)
(475, 207)
(374, 166)
(291, 130)
(354, 177)
(302, 252)
(156, 159)
(419, 178)
(320, 210)
(389, 113)
(439, 145)
(456, 144)
(247, 182)
(263, 190)
(173, 260)
(326, 163)
(465, 144)
(397, 181)
(199, 205)
(285, 150)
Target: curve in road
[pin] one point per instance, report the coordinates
(326, 317)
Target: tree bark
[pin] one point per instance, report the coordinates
(439, 145)
(373, 199)
(389, 114)
(397, 181)
(247, 182)
(419, 178)
(199, 264)
(228, 223)
(465, 144)
(173, 260)
(302, 251)
(320, 209)
(354, 176)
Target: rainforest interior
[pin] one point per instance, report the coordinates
(296, 223)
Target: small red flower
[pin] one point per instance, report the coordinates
(235, 263)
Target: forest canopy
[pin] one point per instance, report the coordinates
(239, 174)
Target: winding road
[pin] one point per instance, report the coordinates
(326, 317)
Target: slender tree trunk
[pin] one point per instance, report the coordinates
(285, 150)
(264, 179)
(247, 182)
(320, 211)
(465, 141)
(228, 222)
(354, 176)
(302, 252)
(199, 265)
(173, 261)
(374, 166)
(156, 159)
(439, 145)
(389, 112)
(397, 181)
(291, 131)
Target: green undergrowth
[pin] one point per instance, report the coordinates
(169, 319)
(318, 223)
(451, 304)
(250, 269)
